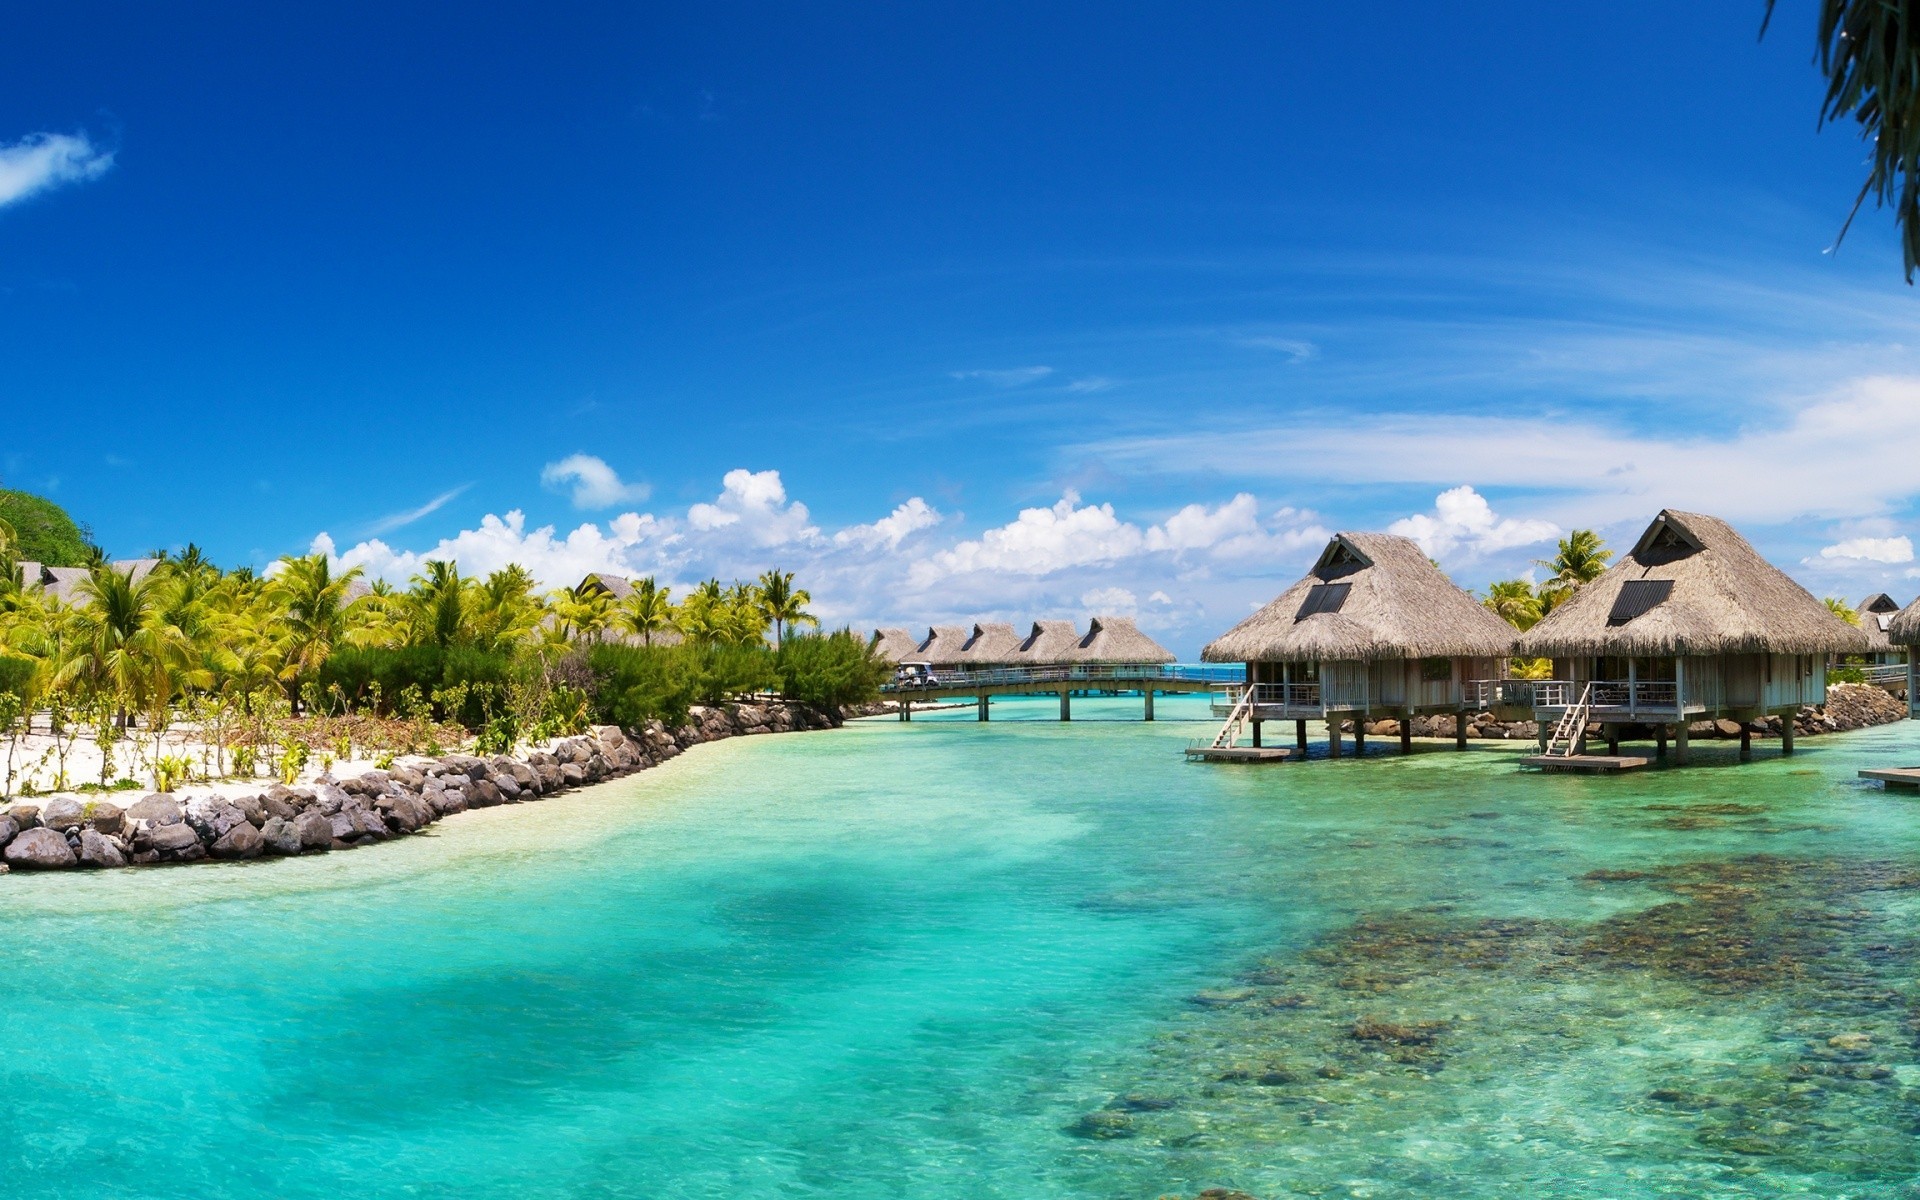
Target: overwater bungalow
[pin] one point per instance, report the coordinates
(1691, 624)
(945, 647)
(1118, 642)
(1876, 615)
(1374, 630)
(1049, 643)
(1903, 631)
(896, 645)
(990, 644)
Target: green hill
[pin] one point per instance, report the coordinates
(45, 531)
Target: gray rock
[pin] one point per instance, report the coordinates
(485, 795)
(106, 816)
(341, 826)
(241, 841)
(39, 850)
(171, 843)
(212, 817)
(7, 830)
(63, 813)
(573, 774)
(99, 850)
(276, 807)
(25, 816)
(314, 829)
(253, 808)
(155, 810)
(507, 785)
(280, 836)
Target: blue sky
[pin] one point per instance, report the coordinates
(1011, 312)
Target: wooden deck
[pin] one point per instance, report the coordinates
(1239, 754)
(1591, 764)
(1894, 776)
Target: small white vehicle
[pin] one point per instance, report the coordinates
(913, 675)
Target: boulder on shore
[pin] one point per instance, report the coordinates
(39, 850)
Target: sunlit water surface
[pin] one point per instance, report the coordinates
(1014, 960)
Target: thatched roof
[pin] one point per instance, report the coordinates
(63, 583)
(1691, 585)
(1050, 642)
(1904, 629)
(1370, 596)
(1119, 640)
(992, 644)
(944, 644)
(1876, 614)
(617, 586)
(896, 645)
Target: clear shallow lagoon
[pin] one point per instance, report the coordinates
(929, 960)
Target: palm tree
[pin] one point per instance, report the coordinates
(437, 604)
(130, 654)
(1867, 51)
(505, 609)
(1513, 601)
(647, 610)
(783, 604)
(313, 601)
(585, 610)
(1581, 558)
(1840, 608)
(702, 616)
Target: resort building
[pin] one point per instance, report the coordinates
(63, 583)
(1118, 642)
(945, 646)
(1903, 631)
(896, 645)
(1374, 630)
(991, 644)
(1691, 624)
(1876, 615)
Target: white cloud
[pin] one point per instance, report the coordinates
(394, 521)
(1869, 550)
(1587, 472)
(1010, 377)
(1038, 541)
(753, 507)
(628, 545)
(889, 531)
(593, 482)
(46, 160)
(1295, 348)
(1110, 601)
(1093, 383)
(1463, 520)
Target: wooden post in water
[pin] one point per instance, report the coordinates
(1680, 743)
(1460, 730)
(1660, 741)
(1359, 737)
(1300, 737)
(1066, 704)
(1149, 704)
(1256, 735)
(1746, 742)
(906, 708)
(1333, 737)
(1406, 734)
(1786, 731)
(1613, 740)
(983, 707)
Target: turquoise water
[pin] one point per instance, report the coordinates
(1019, 960)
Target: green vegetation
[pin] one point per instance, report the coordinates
(1840, 608)
(310, 660)
(1580, 559)
(38, 530)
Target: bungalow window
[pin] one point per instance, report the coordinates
(1436, 670)
(1323, 598)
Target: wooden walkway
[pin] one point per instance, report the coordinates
(1894, 776)
(1590, 764)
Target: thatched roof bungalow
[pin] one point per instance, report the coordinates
(1049, 643)
(896, 645)
(944, 646)
(63, 583)
(1690, 624)
(1373, 629)
(990, 644)
(1876, 615)
(1117, 641)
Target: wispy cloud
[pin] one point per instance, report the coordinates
(41, 161)
(399, 520)
(1875, 550)
(1007, 378)
(1296, 349)
(592, 482)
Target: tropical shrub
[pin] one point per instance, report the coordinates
(43, 532)
(830, 670)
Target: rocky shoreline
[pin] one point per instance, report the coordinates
(64, 831)
(1849, 706)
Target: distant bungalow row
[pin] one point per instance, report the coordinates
(1692, 624)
